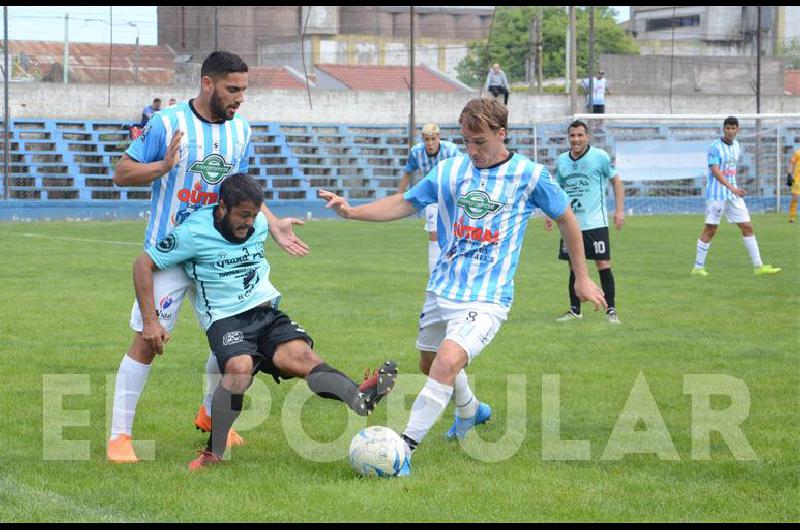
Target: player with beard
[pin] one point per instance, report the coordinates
(222, 248)
(184, 153)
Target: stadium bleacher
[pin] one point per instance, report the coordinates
(69, 160)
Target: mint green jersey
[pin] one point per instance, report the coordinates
(585, 180)
(229, 278)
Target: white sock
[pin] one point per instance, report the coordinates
(427, 408)
(751, 245)
(213, 377)
(433, 255)
(702, 252)
(466, 403)
(129, 385)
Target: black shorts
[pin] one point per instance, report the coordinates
(256, 332)
(598, 109)
(596, 245)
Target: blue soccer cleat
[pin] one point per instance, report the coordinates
(460, 426)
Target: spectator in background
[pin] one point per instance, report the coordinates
(497, 83)
(596, 101)
(149, 110)
(172, 101)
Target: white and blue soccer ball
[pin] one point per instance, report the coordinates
(377, 452)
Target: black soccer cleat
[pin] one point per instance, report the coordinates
(375, 387)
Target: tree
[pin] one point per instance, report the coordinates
(509, 43)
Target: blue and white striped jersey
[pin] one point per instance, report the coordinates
(725, 156)
(209, 153)
(481, 225)
(418, 158)
(229, 278)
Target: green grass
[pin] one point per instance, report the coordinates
(65, 301)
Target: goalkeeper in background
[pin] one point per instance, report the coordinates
(793, 181)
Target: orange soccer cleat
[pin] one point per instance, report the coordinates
(205, 459)
(120, 450)
(203, 423)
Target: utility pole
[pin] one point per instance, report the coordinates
(573, 62)
(539, 56)
(66, 48)
(567, 61)
(412, 126)
(7, 113)
(590, 95)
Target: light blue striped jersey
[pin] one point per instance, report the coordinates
(725, 156)
(229, 278)
(481, 225)
(585, 181)
(209, 153)
(418, 158)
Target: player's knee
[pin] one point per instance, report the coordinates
(425, 363)
(297, 357)
(140, 351)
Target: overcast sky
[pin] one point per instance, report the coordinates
(91, 23)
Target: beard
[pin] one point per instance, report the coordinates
(219, 112)
(227, 228)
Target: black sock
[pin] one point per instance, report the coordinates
(330, 383)
(574, 301)
(225, 408)
(607, 282)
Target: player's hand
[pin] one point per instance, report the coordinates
(155, 336)
(284, 236)
(548, 224)
(588, 291)
(739, 192)
(619, 220)
(339, 204)
(173, 156)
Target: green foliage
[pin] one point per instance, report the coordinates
(65, 305)
(791, 53)
(510, 43)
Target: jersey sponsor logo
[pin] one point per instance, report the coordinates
(475, 233)
(197, 195)
(212, 168)
(232, 337)
(477, 204)
(168, 243)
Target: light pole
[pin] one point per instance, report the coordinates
(136, 60)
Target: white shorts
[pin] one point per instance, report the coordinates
(170, 286)
(471, 325)
(431, 213)
(734, 209)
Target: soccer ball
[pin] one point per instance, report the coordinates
(377, 451)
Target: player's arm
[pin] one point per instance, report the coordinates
(585, 288)
(386, 209)
(790, 176)
(619, 202)
(131, 172)
(404, 182)
(153, 333)
(739, 192)
(283, 233)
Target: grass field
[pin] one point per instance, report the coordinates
(65, 297)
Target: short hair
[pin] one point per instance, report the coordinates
(221, 63)
(730, 120)
(430, 128)
(157, 100)
(238, 188)
(578, 123)
(481, 113)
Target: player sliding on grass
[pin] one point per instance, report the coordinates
(221, 247)
(485, 200)
(723, 197)
(185, 152)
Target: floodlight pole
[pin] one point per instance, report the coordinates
(6, 116)
(66, 49)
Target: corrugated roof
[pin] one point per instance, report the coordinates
(273, 77)
(387, 78)
(89, 63)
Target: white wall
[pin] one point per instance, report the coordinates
(53, 100)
